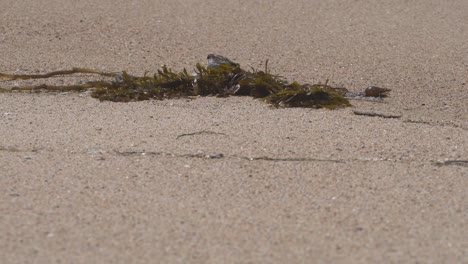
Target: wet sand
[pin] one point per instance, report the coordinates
(231, 180)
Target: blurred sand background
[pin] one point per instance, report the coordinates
(83, 181)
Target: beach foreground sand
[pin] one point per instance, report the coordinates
(231, 180)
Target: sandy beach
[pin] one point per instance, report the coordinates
(232, 180)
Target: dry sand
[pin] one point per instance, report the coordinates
(84, 181)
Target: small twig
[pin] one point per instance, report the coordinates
(417, 122)
(13, 149)
(463, 163)
(157, 153)
(356, 112)
(290, 159)
(199, 133)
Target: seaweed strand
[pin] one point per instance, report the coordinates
(221, 77)
(54, 73)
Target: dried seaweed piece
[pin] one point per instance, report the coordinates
(374, 91)
(76, 87)
(371, 93)
(55, 73)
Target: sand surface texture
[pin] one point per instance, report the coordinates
(231, 180)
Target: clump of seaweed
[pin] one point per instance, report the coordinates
(221, 77)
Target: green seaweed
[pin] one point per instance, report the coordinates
(227, 79)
